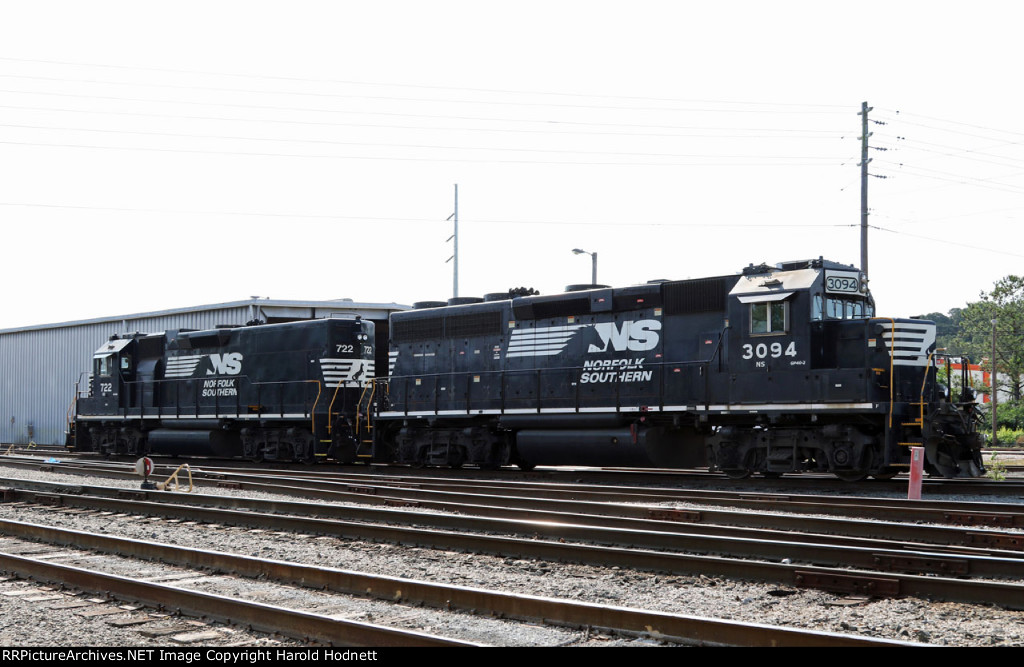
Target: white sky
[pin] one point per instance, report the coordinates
(155, 155)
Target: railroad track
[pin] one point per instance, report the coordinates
(536, 522)
(879, 568)
(1011, 487)
(181, 564)
(177, 589)
(309, 483)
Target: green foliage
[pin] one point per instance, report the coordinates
(1005, 304)
(973, 338)
(1010, 437)
(996, 469)
(1009, 416)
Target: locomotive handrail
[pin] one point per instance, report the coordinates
(714, 353)
(330, 406)
(69, 417)
(892, 373)
(372, 388)
(195, 406)
(503, 376)
(312, 411)
(924, 385)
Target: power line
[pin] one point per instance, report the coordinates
(392, 98)
(958, 242)
(363, 218)
(900, 115)
(489, 221)
(550, 122)
(328, 142)
(809, 108)
(785, 133)
(924, 172)
(186, 151)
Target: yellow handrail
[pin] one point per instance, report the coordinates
(892, 376)
(312, 412)
(372, 387)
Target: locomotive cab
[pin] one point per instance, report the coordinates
(817, 382)
(794, 327)
(112, 370)
(800, 384)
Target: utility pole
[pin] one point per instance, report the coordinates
(455, 237)
(864, 109)
(995, 390)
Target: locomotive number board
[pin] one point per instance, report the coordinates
(846, 282)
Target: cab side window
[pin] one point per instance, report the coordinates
(769, 317)
(105, 365)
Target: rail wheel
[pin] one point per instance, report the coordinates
(737, 473)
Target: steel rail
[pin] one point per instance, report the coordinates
(1007, 594)
(817, 550)
(970, 513)
(722, 523)
(665, 478)
(597, 476)
(924, 510)
(601, 502)
(258, 616)
(654, 624)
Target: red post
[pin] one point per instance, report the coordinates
(916, 473)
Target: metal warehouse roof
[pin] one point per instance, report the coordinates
(268, 307)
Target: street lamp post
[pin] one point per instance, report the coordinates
(593, 259)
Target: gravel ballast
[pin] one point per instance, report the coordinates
(909, 619)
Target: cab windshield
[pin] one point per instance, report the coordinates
(832, 308)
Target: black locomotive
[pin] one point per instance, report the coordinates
(779, 369)
(276, 392)
(776, 370)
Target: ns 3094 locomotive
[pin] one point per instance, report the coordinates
(287, 392)
(779, 369)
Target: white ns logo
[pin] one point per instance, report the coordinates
(225, 364)
(634, 336)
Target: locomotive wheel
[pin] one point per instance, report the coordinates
(737, 473)
(305, 453)
(886, 473)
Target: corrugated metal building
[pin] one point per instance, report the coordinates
(39, 365)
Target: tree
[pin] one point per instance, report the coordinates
(1005, 305)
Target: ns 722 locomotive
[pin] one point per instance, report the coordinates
(776, 370)
(278, 392)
